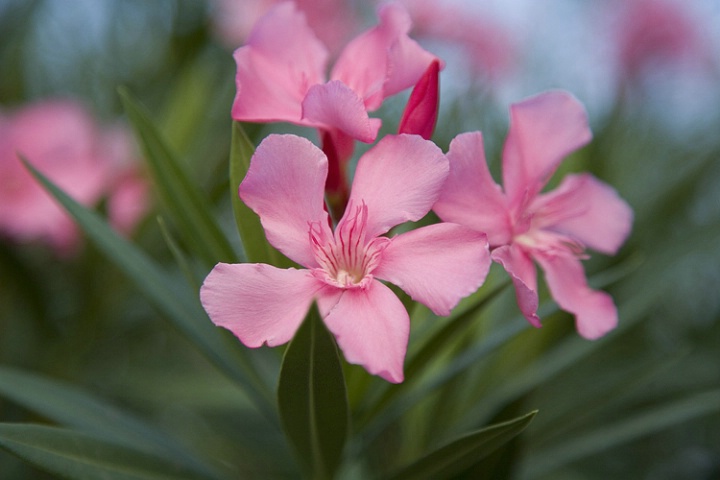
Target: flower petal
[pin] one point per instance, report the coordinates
(258, 303)
(284, 186)
(437, 265)
(522, 272)
(399, 179)
(587, 210)
(372, 329)
(334, 105)
(421, 112)
(470, 196)
(595, 312)
(544, 129)
(383, 60)
(280, 61)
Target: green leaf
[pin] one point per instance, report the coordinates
(81, 456)
(179, 194)
(72, 407)
(464, 452)
(181, 306)
(651, 420)
(312, 397)
(257, 249)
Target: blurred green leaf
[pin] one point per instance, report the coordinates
(72, 407)
(649, 421)
(312, 397)
(180, 195)
(182, 307)
(80, 456)
(257, 248)
(179, 256)
(464, 452)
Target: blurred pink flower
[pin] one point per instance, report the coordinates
(654, 33)
(396, 181)
(523, 224)
(334, 21)
(487, 47)
(60, 139)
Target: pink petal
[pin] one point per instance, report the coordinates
(372, 329)
(595, 312)
(470, 196)
(522, 271)
(587, 210)
(284, 186)
(437, 265)
(384, 60)
(544, 129)
(421, 112)
(399, 179)
(280, 62)
(334, 105)
(258, 303)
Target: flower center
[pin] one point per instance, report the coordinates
(347, 259)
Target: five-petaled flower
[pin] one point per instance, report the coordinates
(281, 76)
(396, 181)
(523, 224)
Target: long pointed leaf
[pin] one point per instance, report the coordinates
(618, 433)
(312, 397)
(181, 197)
(464, 452)
(181, 307)
(80, 456)
(72, 407)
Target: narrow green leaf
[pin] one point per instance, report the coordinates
(464, 452)
(179, 256)
(180, 306)
(652, 420)
(81, 456)
(72, 407)
(180, 195)
(312, 397)
(257, 249)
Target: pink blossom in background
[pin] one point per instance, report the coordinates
(396, 181)
(488, 48)
(657, 33)
(61, 140)
(334, 21)
(281, 77)
(523, 224)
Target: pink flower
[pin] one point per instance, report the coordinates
(657, 33)
(281, 73)
(61, 140)
(398, 180)
(523, 224)
(334, 21)
(487, 47)
(421, 112)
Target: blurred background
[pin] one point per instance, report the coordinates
(642, 403)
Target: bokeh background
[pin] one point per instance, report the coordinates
(642, 403)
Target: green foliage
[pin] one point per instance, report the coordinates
(312, 398)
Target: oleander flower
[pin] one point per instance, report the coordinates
(396, 181)
(281, 77)
(61, 139)
(523, 224)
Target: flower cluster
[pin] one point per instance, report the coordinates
(61, 139)
(280, 77)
